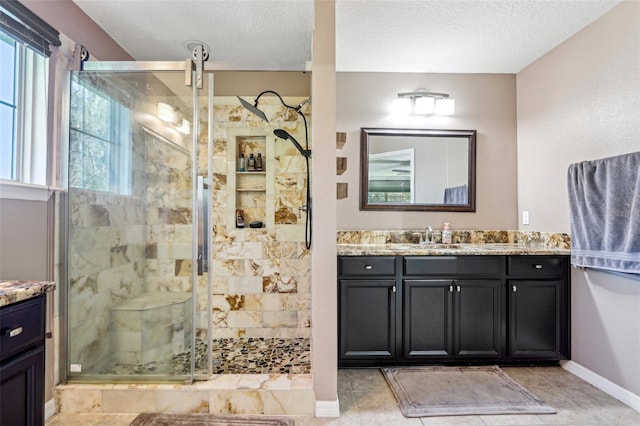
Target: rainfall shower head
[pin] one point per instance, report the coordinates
(253, 108)
(283, 134)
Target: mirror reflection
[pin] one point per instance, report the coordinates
(417, 169)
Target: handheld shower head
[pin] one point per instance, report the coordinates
(283, 134)
(253, 108)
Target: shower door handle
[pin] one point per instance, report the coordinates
(202, 227)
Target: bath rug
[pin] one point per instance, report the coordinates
(197, 419)
(460, 391)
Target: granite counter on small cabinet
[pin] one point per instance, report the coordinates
(22, 337)
(414, 304)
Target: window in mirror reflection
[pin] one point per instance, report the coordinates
(391, 175)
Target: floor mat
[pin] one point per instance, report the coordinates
(195, 419)
(459, 391)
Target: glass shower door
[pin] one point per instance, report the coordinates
(131, 233)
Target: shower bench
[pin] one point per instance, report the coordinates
(151, 326)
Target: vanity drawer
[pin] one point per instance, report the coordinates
(454, 265)
(21, 325)
(537, 266)
(367, 265)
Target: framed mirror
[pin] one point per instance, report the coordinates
(418, 169)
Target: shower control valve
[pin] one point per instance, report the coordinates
(302, 209)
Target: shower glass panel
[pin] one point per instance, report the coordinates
(131, 228)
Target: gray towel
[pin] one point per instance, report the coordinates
(604, 204)
(456, 195)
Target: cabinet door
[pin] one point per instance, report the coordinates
(367, 320)
(478, 323)
(22, 390)
(427, 319)
(538, 319)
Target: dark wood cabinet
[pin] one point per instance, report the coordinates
(538, 308)
(453, 319)
(427, 319)
(452, 309)
(368, 309)
(368, 313)
(478, 319)
(22, 336)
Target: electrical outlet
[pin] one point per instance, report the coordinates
(75, 368)
(525, 217)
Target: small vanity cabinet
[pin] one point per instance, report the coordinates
(396, 310)
(368, 308)
(22, 336)
(538, 307)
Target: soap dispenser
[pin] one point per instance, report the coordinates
(446, 234)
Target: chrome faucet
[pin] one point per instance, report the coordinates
(428, 235)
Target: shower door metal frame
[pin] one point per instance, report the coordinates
(194, 73)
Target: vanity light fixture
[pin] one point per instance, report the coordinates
(422, 102)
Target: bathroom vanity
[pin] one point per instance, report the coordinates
(463, 303)
(22, 341)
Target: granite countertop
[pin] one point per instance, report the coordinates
(459, 249)
(16, 291)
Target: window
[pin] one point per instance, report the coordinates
(24, 78)
(100, 140)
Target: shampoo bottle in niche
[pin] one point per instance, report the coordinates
(241, 162)
(259, 166)
(239, 219)
(251, 163)
(446, 234)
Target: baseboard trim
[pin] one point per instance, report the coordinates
(49, 409)
(328, 408)
(605, 385)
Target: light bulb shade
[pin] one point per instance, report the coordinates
(185, 127)
(445, 106)
(166, 112)
(401, 106)
(425, 105)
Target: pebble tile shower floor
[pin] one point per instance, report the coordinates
(234, 356)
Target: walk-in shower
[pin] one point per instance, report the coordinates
(147, 167)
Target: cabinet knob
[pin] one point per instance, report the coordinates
(14, 332)
(537, 266)
(458, 288)
(514, 288)
(450, 289)
(368, 267)
(393, 289)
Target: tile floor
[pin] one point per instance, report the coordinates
(366, 400)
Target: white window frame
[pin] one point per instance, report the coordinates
(30, 138)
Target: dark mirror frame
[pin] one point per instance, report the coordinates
(365, 133)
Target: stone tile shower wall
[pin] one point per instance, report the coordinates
(168, 219)
(261, 276)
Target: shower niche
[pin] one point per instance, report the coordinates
(250, 180)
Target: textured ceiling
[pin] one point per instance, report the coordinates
(462, 36)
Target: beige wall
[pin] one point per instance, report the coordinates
(249, 83)
(324, 316)
(24, 235)
(484, 102)
(581, 101)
